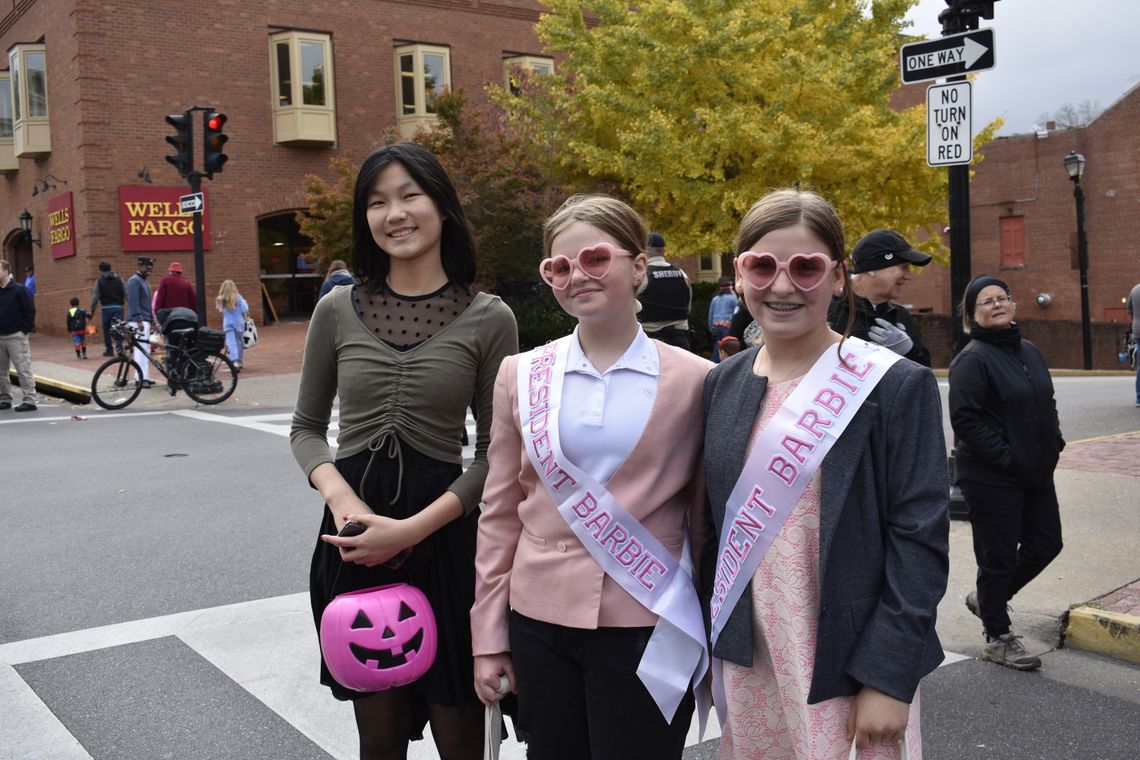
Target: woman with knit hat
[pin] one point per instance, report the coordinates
(1009, 439)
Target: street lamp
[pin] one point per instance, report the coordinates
(26, 226)
(1075, 166)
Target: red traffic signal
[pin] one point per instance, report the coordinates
(213, 142)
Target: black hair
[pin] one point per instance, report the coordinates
(370, 262)
(74, 301)
(104, 266)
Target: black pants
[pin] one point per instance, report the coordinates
(673, 336)
(580, 697)
(1017, 533)
(110, 313)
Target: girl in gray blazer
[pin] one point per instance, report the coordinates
(834, 630)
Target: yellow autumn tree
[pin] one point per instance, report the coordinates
(694, 109)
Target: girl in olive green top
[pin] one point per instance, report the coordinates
(405, 351)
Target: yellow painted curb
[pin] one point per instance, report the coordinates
(1104, 632)
(57, 388)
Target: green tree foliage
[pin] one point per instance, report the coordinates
(328, 220)
(694, 109)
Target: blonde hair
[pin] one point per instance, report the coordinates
(608, 214)
(227, 295)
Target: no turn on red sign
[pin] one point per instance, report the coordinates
(949, 130)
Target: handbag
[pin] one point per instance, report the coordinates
(249, 333)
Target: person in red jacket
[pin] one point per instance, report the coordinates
(175, 290)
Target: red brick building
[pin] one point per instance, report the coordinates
(88, 85)
(1023, 228)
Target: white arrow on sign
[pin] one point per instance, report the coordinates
(971, 51)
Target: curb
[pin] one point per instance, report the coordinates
(57, 388)
(1094, 627)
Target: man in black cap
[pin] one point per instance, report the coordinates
(665, 297)
(882, 266)
(110, 292)
(140, 314)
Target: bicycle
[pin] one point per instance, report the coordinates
(191, 360)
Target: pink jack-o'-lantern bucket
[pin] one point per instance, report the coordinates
(378, 638)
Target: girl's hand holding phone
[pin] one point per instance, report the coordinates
(379, 541)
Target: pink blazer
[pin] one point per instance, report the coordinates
(528, 559)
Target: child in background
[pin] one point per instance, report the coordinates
(77, 326)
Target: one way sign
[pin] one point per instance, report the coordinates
(947, 56)
(188, 204)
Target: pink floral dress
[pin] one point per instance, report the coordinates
(768, 717)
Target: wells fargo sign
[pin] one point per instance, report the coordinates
(149, 220)
(61, 226)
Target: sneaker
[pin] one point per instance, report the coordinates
(147, 383)
(26, 407)
(5, 406)
(972, 604)
(108, 353)
(1007, 650)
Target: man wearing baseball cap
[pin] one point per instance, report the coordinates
(174, 290)
(882, 266)
(665, 296)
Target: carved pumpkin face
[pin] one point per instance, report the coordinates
(378, 638)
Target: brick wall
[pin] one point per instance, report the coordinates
(115, 69)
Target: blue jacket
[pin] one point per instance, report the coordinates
(721, 308)
(339, 277)
(139, 300)
(884, 529)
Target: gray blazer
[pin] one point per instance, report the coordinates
(884, 529)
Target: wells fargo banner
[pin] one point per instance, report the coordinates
(61, 226)
(149, 219)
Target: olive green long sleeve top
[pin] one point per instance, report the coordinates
(419, 396)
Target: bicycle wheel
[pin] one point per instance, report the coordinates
(210, 379)
(116, 383)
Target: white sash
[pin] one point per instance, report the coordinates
(781, 465)
(676, 657)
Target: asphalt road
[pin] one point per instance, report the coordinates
(153, 579)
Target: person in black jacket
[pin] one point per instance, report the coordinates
(882, 264)
(1009, 440)
(110, 292)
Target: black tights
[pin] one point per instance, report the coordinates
(383, 719)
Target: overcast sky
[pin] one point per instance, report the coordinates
(1049, 52)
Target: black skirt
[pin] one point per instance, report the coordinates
(442, 566)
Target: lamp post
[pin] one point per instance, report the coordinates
(1075, 166)
(26, 226)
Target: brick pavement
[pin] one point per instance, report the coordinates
(1112, 455)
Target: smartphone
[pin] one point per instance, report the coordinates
(352, 528)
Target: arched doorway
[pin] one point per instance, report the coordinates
(18, 253)
(289, 274)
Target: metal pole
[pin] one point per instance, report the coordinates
(958, 179)
(199, 258)
(1083, 262)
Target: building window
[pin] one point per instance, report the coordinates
(530, 64)
(423, 72)
(1012, 231)
(31, 132)
(8, 161)
(304, 111)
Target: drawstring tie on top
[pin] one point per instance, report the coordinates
(375, 443)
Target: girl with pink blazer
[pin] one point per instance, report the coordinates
(591, 510)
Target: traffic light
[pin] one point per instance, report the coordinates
(182, 140)
(213, 142)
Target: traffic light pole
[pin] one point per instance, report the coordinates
(195, 179)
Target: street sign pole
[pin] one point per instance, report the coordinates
(959, 202)
(195, 178)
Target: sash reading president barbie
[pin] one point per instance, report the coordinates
(676, 657)
(785, 458)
